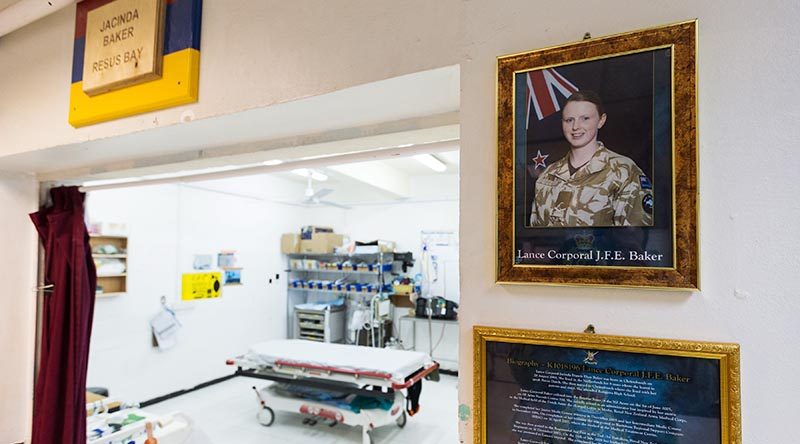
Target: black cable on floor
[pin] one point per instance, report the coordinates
(150, 402)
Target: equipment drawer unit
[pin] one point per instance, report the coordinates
(323, 325)
(308, 319)
(311, 325)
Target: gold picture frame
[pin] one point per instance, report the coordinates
(627, 216)
(530, 383)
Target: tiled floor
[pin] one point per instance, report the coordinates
(225, 413)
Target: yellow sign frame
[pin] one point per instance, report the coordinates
(206, 285)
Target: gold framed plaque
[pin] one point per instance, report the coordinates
(540, 387)
(597, 162)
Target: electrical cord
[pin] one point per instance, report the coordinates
(432, 347)
(429, 310)
(439, 341)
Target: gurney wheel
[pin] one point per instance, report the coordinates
(266, 416)
(401, 420)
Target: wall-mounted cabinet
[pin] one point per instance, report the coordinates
(110, 254)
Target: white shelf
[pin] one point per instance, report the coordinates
(384, 255)
(343, 292)
(324, 270)
(112, 284)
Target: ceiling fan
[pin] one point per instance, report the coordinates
(315, 197)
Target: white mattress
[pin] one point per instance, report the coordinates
(399, 364)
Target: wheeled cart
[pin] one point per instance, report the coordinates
(127, 426)
(335, 383)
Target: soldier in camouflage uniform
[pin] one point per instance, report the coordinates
(604, 189)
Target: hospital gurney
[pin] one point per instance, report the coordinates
(358, 386)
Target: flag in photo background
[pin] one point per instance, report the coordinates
(542, 87)
(546, 90)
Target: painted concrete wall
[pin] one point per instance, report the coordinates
(18, 197)
(748, 116)
(167, 226)
(748, 189)
(254, 53)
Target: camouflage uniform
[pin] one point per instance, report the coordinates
(610, 190)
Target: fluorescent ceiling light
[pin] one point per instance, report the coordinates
(190, 173)
(272, 162)
(316, 175)
(431, 162)
(97, 183)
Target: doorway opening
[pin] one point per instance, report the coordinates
(343, 243)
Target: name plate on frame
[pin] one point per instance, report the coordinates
(124, 45)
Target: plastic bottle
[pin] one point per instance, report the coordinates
(150, 438)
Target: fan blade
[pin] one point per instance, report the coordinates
(322, 193)
(334, 204)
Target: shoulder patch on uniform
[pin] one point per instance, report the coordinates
(645, 182)
(647, 203)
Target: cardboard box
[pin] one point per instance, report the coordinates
(321, 243)
(308, 231)
(383, 246)
(401, 300)
(290, 243)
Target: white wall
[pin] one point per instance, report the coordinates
(18, 197)
(748, 184)
(748, 163)
(404, 223)
(167, 225)
(432, 205)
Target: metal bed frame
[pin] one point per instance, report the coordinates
(368, 383)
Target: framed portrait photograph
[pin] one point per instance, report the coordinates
(597, 162)
(553, 387)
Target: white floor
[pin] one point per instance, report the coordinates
(225, 413)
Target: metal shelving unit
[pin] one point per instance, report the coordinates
(379, 276)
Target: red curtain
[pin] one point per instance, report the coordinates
(59, 415)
